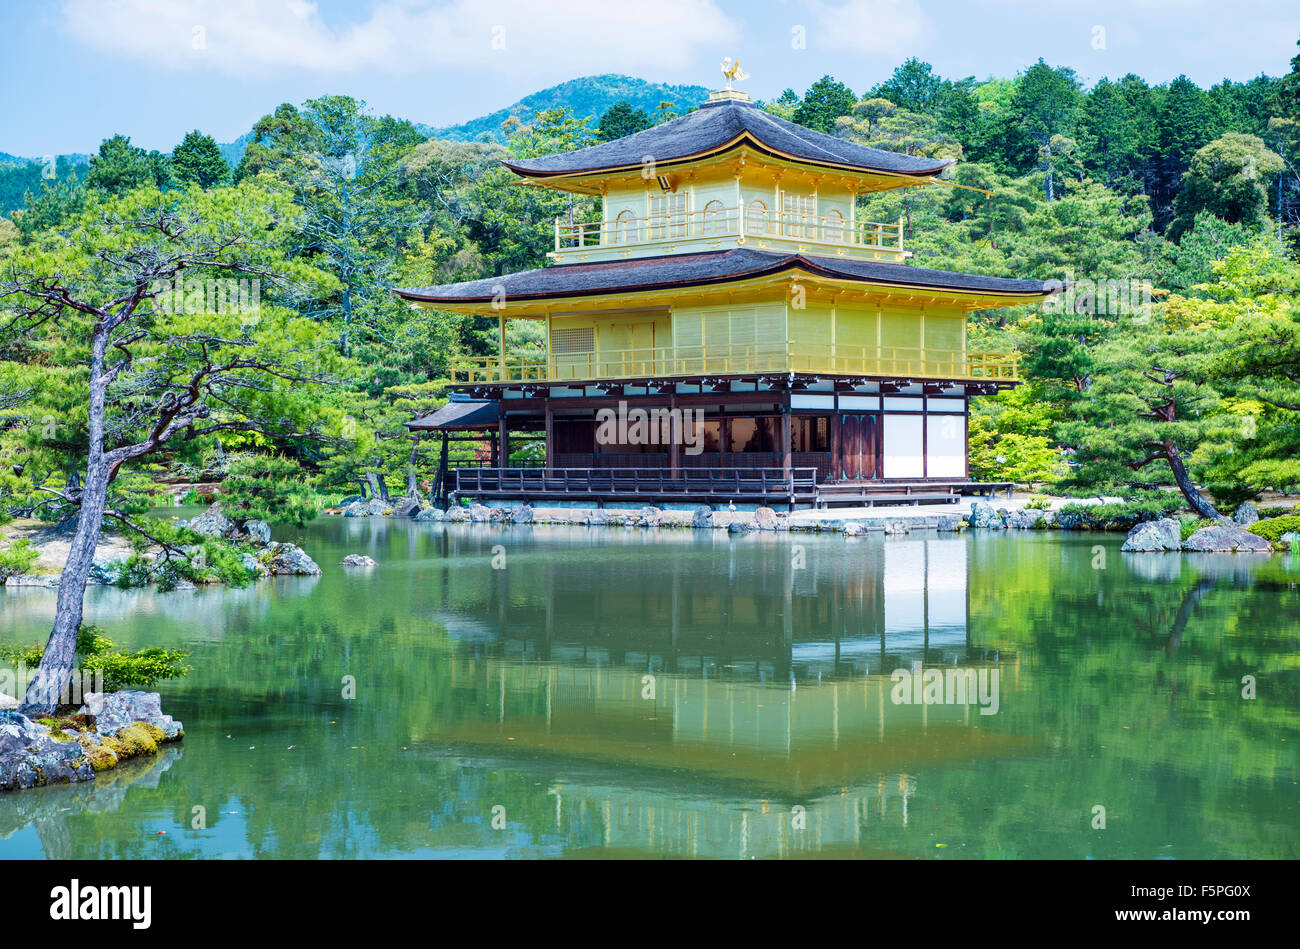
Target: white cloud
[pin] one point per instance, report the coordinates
(261, 37)
(893, 27)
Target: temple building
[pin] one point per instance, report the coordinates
(728, 332)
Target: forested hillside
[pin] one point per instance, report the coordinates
(1175, 209)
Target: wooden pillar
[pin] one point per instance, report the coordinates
(836, 471)
(501, 340)
(675, 433)
(550, 436)
(503, 436)
(440, 481)
(496, 456)
(785, 438)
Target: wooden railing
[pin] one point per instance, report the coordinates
(729, 484)
(727, 222)
(837, 359)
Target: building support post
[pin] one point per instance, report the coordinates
(550, 437)
(501, 340)
(440, 481)
(676, 431)
(503, 438)
(785, 440)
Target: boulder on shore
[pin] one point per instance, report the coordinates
(1245, 515)
(1223, 538)
(431, 514)
(257, 530)
(114, 711)
(1151, 536)
(212, 523)
(648, 516)
(406, 507)
(702, 516)
(766, 519)
(982, 515)
(522, 515)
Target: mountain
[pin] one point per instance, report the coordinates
(589, 98)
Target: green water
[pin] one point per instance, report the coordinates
(660, 693)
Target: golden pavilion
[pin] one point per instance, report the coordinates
(729, 331)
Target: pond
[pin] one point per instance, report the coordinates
(524, 692)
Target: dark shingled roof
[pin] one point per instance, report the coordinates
(458, 414)
(723, 266)
(711, 128)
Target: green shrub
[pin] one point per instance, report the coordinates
(1273, 528)
(1276, 511)
(121, 670)
(1038, 504)
(1123, 516)
(17, 559)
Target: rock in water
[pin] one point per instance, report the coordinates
(702, 516)
(521, 515)
(1217, 538)
(290, 560)
(983, 515)
(1245, 515)
(211, 523)
(431, 514)
(648, 516)
(357, 560)
(479, 513)
(766, 519)
(114, 711)
(1151, 536)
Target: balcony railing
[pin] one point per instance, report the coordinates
(723, 222)
(662, 361)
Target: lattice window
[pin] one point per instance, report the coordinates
(798, 214)
(667, 216)
(572, 340)
(624, 228)
(714, 219)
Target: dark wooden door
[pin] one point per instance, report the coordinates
(859, 448)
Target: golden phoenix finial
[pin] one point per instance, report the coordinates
(731, 71)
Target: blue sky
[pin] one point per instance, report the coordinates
(76, 71)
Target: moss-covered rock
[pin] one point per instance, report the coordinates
(135, 740)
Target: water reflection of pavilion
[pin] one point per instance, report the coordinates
(731, 702)
(908, 604)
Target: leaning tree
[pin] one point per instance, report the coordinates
(170, 314)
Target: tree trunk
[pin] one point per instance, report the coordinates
(412, 486)
(55, 670)
(1194, 497)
